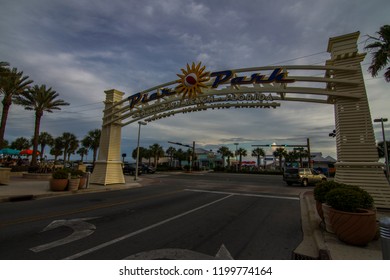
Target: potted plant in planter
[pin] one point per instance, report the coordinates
(82, 176)
(352, 215)
(74, 180)
(320, 192)
(59, 181)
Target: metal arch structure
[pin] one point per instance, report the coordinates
(338, 83)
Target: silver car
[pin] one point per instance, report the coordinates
(303, 176)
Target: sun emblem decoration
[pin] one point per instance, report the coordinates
(192, 80)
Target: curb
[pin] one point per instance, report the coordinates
(313, 246)
(25, 197)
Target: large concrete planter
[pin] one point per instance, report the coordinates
(74, 184)
(58, 184)
(354, 228)
(83, 180)
(327, 217)
(320, 212)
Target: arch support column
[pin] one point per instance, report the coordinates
(108, 167)
(356, 150)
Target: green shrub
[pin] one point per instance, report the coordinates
(322, 188)
(349, 199)
(61, 173)
(76, 173)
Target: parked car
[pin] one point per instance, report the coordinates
(302, 176)
(147, 169)
(129, 168)
(88, 167)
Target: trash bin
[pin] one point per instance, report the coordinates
(384, 228)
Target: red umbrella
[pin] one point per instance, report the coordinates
(27, 152)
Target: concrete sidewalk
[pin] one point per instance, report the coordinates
(20, 188)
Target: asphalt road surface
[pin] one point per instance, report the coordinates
(172, 216)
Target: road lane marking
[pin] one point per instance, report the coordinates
(116, 240)
(244, 194)
(81, 229)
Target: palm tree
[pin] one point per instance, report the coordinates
(380, 49)
(92, 141)
(83, 151)
(156, 152)
(73, 146)
(280, 153)
(57, 148)
(12, 84)
(180, 155)
(229, 154)
(39, 99)
(302, 154)
(143, 153)
(241, 152)
(44, 139)
(258, 153)
(68, 139)
(5, 143)
(3, 67)
(224, 151)
(170, 152)
(292, 156)
(21, 143)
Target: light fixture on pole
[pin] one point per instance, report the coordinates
(137, 159)
(382, 120)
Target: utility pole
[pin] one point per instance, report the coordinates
(382, 120)
(308, 153)
(137, 160)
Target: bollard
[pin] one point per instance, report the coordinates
(88, 178)
(384, 228)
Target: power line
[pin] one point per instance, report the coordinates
(309, 55)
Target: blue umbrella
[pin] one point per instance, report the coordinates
(8, 151)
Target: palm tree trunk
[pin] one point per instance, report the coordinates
(42, 149)
(65, 153)
(94, 155)
(4, 116)
(38, 116)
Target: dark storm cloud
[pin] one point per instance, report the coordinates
(81, 48)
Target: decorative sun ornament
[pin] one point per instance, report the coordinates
(192, 80)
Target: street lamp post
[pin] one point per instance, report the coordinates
(236, 156)
(137, 159)
(382, 120)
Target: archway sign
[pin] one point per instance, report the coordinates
(339, 83)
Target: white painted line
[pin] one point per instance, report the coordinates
(116, 240)
(245, 194)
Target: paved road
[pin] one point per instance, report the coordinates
(183, 216)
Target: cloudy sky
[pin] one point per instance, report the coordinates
(81, 48)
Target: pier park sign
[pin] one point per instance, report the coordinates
(338, 83)
(196, 88)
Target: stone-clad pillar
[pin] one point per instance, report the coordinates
(108, 167)
(356, 150)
